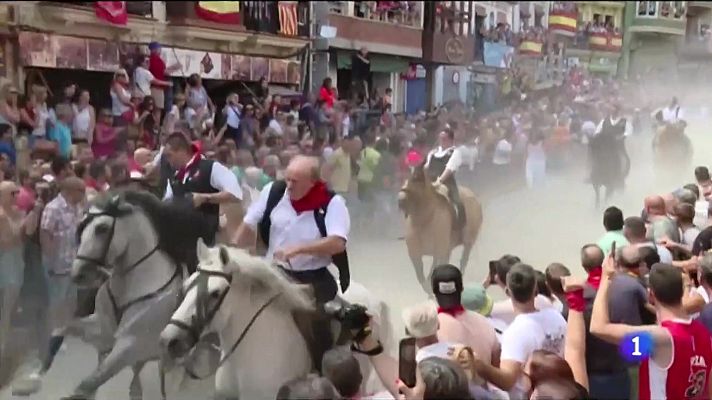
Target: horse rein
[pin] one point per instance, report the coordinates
(102, 264)
(201, 319)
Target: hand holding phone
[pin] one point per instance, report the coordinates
(406, 361)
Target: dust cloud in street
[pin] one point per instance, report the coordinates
(541, 226)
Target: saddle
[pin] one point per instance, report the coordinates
(457, 209)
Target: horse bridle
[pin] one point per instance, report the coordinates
(101, 262)
(203, 317)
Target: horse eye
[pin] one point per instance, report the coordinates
(101, 229)
(215, 294)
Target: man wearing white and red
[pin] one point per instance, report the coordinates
(457, 325)
(681, 358)
(205, 183)
(306, 226)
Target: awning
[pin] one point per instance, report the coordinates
(379, 62)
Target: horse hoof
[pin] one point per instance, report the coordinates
(27, 386)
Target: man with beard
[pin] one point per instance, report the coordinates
(609, 159)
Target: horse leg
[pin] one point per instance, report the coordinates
(417, 259)
(118, 358)
(135, 388)
(465, 258)
(607, 196)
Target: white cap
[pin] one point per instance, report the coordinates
(421, 320)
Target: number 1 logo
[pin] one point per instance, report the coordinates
(636, 347)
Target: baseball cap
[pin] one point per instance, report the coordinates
(475, 298)
(154, 46)
(446, 282)
(421, 320)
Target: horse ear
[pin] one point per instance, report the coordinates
(224, 256)
(201, 249)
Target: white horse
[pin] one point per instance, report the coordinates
(249, 303)
(137, 300)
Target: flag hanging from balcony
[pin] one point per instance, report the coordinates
(288, 24)
(225, 12)
(113, 12)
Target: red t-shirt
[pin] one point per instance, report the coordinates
(688, 375)
(157, 67)
(328, 96)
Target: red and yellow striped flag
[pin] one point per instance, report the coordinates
(225, 12)
(288, 20)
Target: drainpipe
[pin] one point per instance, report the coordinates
(624, 62)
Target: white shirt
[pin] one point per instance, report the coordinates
(345, 126)
(220, 178)
(276, 126)
(502, 153)
(289, 229)
(628, 128)
(81, 122)
(142, 80)
(504, 310)
(439, 349)
(453, 163)
(541, 330)
(233, 116)
(701, 214)
(117, 107)
(672, 115)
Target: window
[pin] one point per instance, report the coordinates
(610, 22)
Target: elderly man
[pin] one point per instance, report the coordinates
(305, 226)
(660, 225)
(634, 231)
(58, 242)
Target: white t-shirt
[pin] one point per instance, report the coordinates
(345, 126)
(233, 116)
(541, 330)
(502, 153)
(142, 79)
(701, 219)
(276, 126)
(504, 310)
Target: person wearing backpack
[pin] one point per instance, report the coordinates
(305, 226)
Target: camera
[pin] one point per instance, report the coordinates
(353, 317)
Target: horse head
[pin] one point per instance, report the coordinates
(227, 277)
(416, 190)
(106, 233)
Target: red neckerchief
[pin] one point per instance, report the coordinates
(180, 175)
(452, 311)
(316, 197)
(594, 277)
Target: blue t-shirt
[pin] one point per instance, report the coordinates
(61, 134)
(9, 150)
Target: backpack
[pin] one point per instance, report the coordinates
(341, 260)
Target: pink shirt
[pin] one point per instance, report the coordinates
(25, 200)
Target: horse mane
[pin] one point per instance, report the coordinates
(261, 271)
(173, 225)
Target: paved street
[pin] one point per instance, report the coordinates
(541, 226)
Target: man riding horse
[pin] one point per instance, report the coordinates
(609, 160)
(441, 165)
(671, 147)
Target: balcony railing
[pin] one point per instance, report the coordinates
(138, 8)
(590, 37)
(406, 13)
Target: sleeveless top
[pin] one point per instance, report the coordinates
(80, 126)
(688, 374)
(117, 107)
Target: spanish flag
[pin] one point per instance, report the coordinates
(225, 12)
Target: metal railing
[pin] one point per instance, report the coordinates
(138, 8)
(406, 13)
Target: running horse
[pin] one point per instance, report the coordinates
(609, 163)
(672, 151)
(249, 303)
(127, 244)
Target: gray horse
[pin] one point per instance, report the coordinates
(133, 305)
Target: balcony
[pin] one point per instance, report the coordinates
(563, 17)
(592, 38)
(137, 8)
(447, 33)
(382, 27)
(251, 14)
(659, 17)
(699, 4)
(402, 13)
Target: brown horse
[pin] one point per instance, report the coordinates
(430, 223)
(672, 151)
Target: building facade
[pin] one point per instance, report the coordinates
(66, 42)
(654, 32)
(598, 43)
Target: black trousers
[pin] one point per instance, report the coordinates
(454, 194)
(325, 290)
